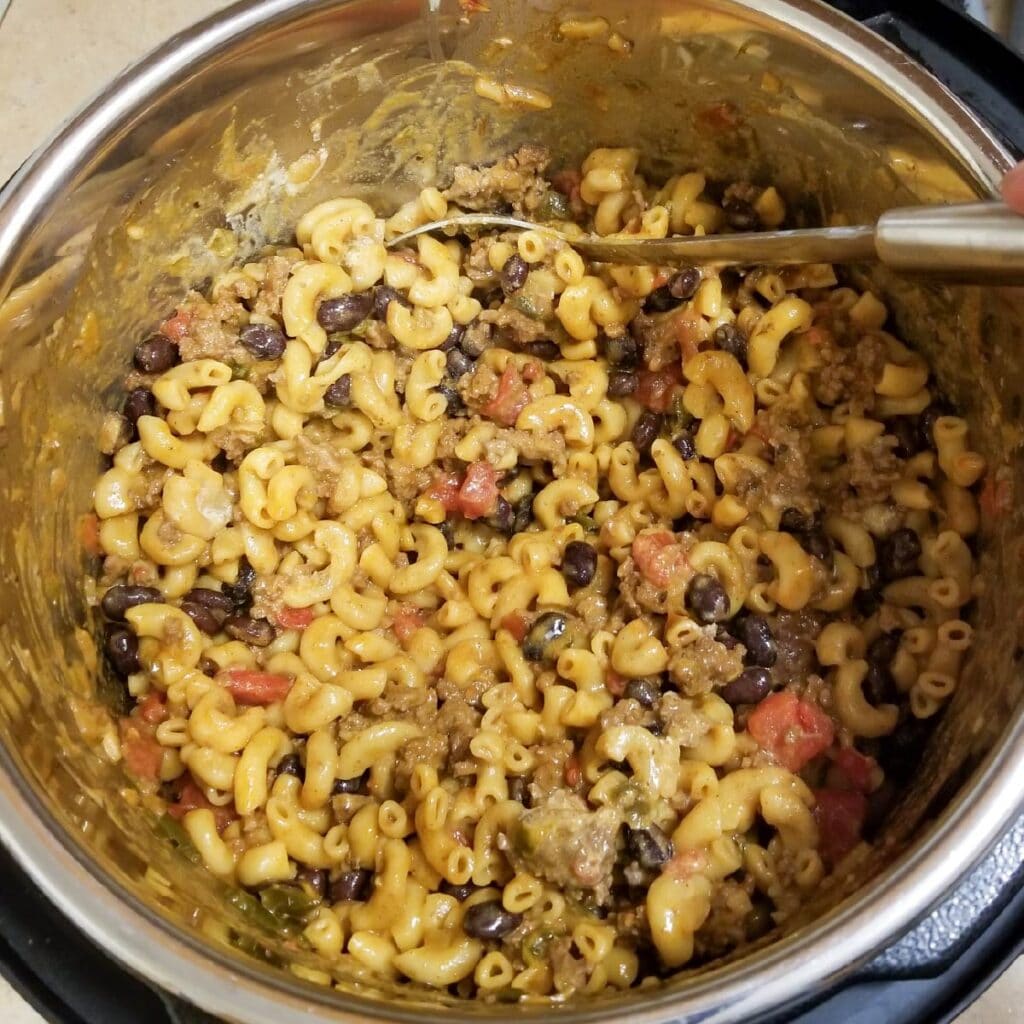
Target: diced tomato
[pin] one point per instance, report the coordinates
(176, 327)
(689, 334)
(791, 730)
(473, 6)
(478, 495)
(719, 117)
(840, 815)
(192, 798)
(659, 557)
(567, 181)
(573, 772)
(294, 618)
(510, 399)
(656, 388)
(248, 687)
(686, 863)
(817, 335)
(515, 623)
(532, 371)
(445, 489)
(142, 754)
(614, 683)
(996, 498)
(853, 770)
(89, 533)
(152, 708)
(407, 619)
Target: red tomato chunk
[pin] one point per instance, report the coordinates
(257, 687)
(791, 730)
(192, 798)
(152, 708)
(659, 557)
(510, 399)
(478, 495)
(840, 816)
(142, 755)
(655, 389)
(407, 619)
(294, 618)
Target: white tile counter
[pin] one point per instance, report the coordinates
(56, 53)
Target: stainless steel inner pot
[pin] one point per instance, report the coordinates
(211, 146)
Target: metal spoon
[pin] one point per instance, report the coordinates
(972, 242)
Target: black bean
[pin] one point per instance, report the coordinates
(755, 634)
(818, 543)
(264, 341)
(122, 649)
(122, 596)
(623, 351)
(455, 336)
(684, 444)
(475, 343)
(339, 394)
(908, 440)
(240, 592)
(140, 402)
(546, 637)
(546, 350)
(883, 649)
(314, 881)
(458, 363)
(750, 686)
(156, 354)
(725, 638)
(215, 600)
(352, 885)
(684, 284)
(383, 296)
(707, 599)
(524, 514)
(205, 619)
(926, 422)
(503, 516)
(460, 892)
(645, 691)
(660, 300)
(356, 785)
(579, 563)
(447, 529)
(257, 632)
(208, 666)
(290, 764)
(898, 554)
(622, 383)
(514, 274)
(649, 847)
(796, 522)
(344, 312)
(518, 790)
(333, 345)
(646, 430)
(490, 920)
(740, 214)
(729, 338)
(902, 752)
(879, 686)
(451, 395)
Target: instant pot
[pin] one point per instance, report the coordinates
(212, 145)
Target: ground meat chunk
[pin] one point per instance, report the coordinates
(725, 927)
(871, 471)
(514, 181)
(795, 636)
(848, 373)
(279, 269)
(705, 664)
(516, 327)
(681, 720)
(529, 446)
(637, 593)
(236, 439)
(567, 844)
(213, 331)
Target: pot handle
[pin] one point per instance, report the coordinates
(950, 936)
(972, 62)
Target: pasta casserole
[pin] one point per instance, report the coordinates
(520, 626)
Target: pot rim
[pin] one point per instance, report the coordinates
(826, 951)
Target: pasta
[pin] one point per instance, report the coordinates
(522, 625)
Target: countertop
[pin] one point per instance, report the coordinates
(53, 55)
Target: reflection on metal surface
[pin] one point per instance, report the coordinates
(267, 109)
